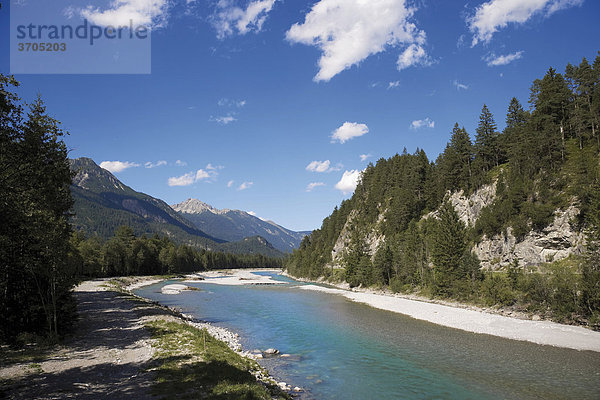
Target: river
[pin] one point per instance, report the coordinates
(341, 349)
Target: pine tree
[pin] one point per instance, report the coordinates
(448, 247)
(456, 161)
(518, 139)
(35, 264)
(487, 149)
(550, 97)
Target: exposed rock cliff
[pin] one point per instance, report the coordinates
(555, 242)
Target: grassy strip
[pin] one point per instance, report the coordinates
(189, 363)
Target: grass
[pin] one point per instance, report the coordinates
(189, 363)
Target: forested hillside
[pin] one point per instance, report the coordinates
(103, 204)
(401, 228)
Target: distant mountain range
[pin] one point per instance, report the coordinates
(235, 225)
(102, 203)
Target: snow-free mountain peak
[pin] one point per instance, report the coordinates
(234, 225)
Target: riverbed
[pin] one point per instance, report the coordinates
(342, 349)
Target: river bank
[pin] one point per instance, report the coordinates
(468, 318)
(127, 346)
(227, 337)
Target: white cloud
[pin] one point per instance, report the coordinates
(493, 60)
(151, 13)
(364, 157)
(460, 86)
(150, 164)
(494, 15)
(230, 19)
(184, 180)
(224, 120)
(202, 174)
(349, 181)
(413, 55)
(322, 166)
(230, 183)
(180, 163)
(252, 213)
(349, 31)
(245, 185)
(193, 177)
(348, 131)
(394, 84)
(422, 123)
(311, 186)
(117, 166)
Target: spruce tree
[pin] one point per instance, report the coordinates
(487, 149)
(448, 247)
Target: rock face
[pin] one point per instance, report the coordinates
(557, 241)
(374, 239)
(469, 208)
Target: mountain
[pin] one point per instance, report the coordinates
(234, 225)
(102, 203)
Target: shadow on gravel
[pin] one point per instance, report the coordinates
(102, 359)
(101, 381)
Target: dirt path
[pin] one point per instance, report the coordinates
(106, 358)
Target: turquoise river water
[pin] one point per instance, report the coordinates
(345, 350)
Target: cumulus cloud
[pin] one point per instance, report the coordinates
(459, 86)
(365, 157)
(349, 31)
(151, 164)
(348, 131)
(422, 123)
(151, 13)
(322, 166)
(180, 163)
(349, 181)
(413, 55)
(184, 180)
(230, 183)
(223, 120)
(117, 166)
(245, 185)
(209, 174)
(230, 19)
(394, 84)
(311, 186)
(493, 60)
(494, 15)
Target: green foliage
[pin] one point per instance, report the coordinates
(125, 254)
(544, 160)
(448, 245)
(35, 273)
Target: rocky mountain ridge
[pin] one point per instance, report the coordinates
(235, 225)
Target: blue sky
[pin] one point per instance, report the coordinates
(238, 94)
